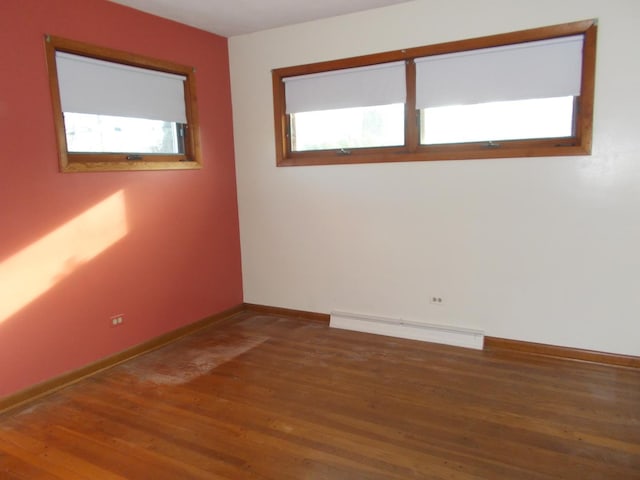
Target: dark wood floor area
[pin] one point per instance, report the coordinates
(268, 397)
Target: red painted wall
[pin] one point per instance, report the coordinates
(179, 260)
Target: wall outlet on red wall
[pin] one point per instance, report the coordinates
(117, 320)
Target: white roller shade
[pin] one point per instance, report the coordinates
(541, 69)
(95, 86)
(382, 84)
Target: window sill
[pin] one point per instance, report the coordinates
(73, 167)
(431, 154)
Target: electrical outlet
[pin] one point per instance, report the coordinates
(436, 300)
(117, 320)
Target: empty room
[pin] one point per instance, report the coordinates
(280, 239)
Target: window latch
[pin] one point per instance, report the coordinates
(134, 157)
(343, 151)
(491, 144)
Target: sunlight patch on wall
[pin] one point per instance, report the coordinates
(40, 266)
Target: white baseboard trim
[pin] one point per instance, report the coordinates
(396, 327)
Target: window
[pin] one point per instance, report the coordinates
(359, 107)
(520, 94)
(118, 111)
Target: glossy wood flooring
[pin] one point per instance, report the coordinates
(268, 397)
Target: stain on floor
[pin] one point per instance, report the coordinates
(177, 365)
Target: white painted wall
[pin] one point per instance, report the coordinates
(538, 249)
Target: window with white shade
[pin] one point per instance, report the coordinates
(348, 108)
(527, 93)
(118, 111)
(520, 91)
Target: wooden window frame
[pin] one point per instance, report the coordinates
(579, 144)
(91, 162)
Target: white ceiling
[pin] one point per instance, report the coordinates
(237, 17)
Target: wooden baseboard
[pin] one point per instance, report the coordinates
(495, 343)
(47, 387)
(490, 343)
(288, 312)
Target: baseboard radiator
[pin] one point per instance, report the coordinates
(395, 327)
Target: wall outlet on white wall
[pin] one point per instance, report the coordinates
(436, 300)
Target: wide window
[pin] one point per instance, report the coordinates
(527, 93)
(118, 111)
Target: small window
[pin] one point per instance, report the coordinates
(119, 111)
(349, 108)
(526, 93)
(519, 91)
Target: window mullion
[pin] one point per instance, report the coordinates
(410, 118)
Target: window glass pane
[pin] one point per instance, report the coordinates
(108, 134)
(379, 126)
(512, 120)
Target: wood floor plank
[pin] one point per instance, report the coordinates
(266, 396)
(14, 468)
(441, 432)
(54, 460)
(239, 432)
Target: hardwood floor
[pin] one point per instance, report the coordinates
(269, 397)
